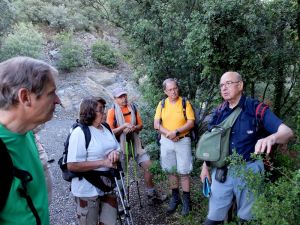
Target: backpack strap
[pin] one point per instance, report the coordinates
(8, 171)
(107, 126)
(184, 107)
(260, 111)
(87, 134)
(6, 175)
(162, 104)
(133, 106)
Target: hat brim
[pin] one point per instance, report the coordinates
(121, 93)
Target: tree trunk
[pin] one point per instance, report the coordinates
(279, 77)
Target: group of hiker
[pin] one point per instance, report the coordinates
(28, 98)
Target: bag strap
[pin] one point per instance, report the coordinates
(107, 126)
(8, 172)
(184, 107)
(260, 111)
(6, 175)
(229, 121)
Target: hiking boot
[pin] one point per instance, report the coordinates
(173, 204)
(156, 198)
(186, 204)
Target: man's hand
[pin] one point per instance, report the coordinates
(128, 128)
(265, 144)
(171, 135)
(205, 173)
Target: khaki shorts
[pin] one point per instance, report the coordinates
(95, 210)
(176, 156)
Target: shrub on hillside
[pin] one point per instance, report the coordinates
(66, 15)
(24, 40)
(71, 52)
(7, 16)
(103, 54)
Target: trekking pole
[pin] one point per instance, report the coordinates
(127, 169)
(135, 174)
(124, 200)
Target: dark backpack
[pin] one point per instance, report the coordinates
(62, 162)
(8, 172)
(194, 132)
(103, 180)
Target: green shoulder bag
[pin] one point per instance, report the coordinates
(213, 145)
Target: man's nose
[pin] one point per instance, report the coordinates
(57, 100)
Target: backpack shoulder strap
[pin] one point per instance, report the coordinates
(8, 172)
(184, 107)
(260, 111)
(162, 104)
(133, 106)
(87, 134)
(107, 126)
(6, 175)
(115, 119)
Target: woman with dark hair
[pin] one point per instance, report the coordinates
(93, 205)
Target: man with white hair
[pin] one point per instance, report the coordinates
(245, 138)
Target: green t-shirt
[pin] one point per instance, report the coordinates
(24, 154)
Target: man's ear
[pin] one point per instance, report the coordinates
(24, 97)
(242, 85)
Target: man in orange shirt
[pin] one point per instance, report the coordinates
(126, 123)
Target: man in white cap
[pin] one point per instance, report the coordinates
(126, 123)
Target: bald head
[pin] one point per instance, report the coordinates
(234, 75)
(231, 86)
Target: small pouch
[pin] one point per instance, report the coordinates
(206, 188)
(221, 174)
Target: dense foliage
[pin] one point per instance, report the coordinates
(24, 40)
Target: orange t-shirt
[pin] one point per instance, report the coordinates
(127, 117)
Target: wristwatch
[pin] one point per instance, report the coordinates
(177, 133)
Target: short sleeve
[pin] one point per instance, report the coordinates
(76, 149)
(158, 112)
(271, 121)
(189, 111)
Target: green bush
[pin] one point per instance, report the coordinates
(103, 53)
(71, 52)
(7, 15)
(24, 40)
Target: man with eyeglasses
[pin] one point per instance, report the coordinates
(175, 144)
(245, 138)
(126, 123)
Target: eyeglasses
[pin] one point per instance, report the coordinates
(100, 110)
(173, 89)
(228, 83)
